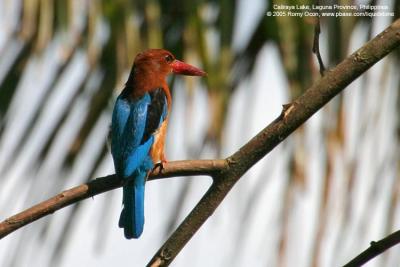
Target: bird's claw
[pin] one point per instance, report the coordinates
(159, 165)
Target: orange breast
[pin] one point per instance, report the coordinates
(157, 150)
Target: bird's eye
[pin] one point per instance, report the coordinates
(169, 58)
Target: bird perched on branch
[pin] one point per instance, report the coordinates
(138, 129)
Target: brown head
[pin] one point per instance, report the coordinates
(151, 67)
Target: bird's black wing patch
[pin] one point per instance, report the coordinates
(156, 113)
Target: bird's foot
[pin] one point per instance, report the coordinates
(159, 165)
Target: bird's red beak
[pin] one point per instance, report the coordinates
(180, 67)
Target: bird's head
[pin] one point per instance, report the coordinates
(161, 62)
(151, 68)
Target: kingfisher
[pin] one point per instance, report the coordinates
(138, 129)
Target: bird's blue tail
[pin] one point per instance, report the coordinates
(132, 215)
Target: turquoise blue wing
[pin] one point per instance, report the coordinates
(133, 124)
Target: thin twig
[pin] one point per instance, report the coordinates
(315, 49)
(375, 248)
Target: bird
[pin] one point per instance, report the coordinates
(138, 129)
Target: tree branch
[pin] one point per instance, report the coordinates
(292, 116)
(375, 248)
(104, 184)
